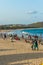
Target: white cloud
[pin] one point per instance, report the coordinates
(32, 12)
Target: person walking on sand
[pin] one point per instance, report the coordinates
(32, 45)
(35, 45)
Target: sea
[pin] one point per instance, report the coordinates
(28, 31)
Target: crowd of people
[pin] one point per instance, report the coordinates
(7, 36)
(34, 39)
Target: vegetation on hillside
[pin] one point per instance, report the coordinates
(20, 26)
(36, 25)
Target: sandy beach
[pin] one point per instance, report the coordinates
(21, 32)
(19, 53)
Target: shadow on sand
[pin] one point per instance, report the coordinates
(21, 64)
(5, 59)
(6, 49)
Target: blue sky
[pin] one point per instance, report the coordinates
(21, 11)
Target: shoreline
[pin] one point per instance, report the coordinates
(19, 29)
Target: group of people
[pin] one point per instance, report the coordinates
(34, 42)
(15, 36)
(3, 35)
(35, 45)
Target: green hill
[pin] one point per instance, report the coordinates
(38, 24)
(21, 26)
